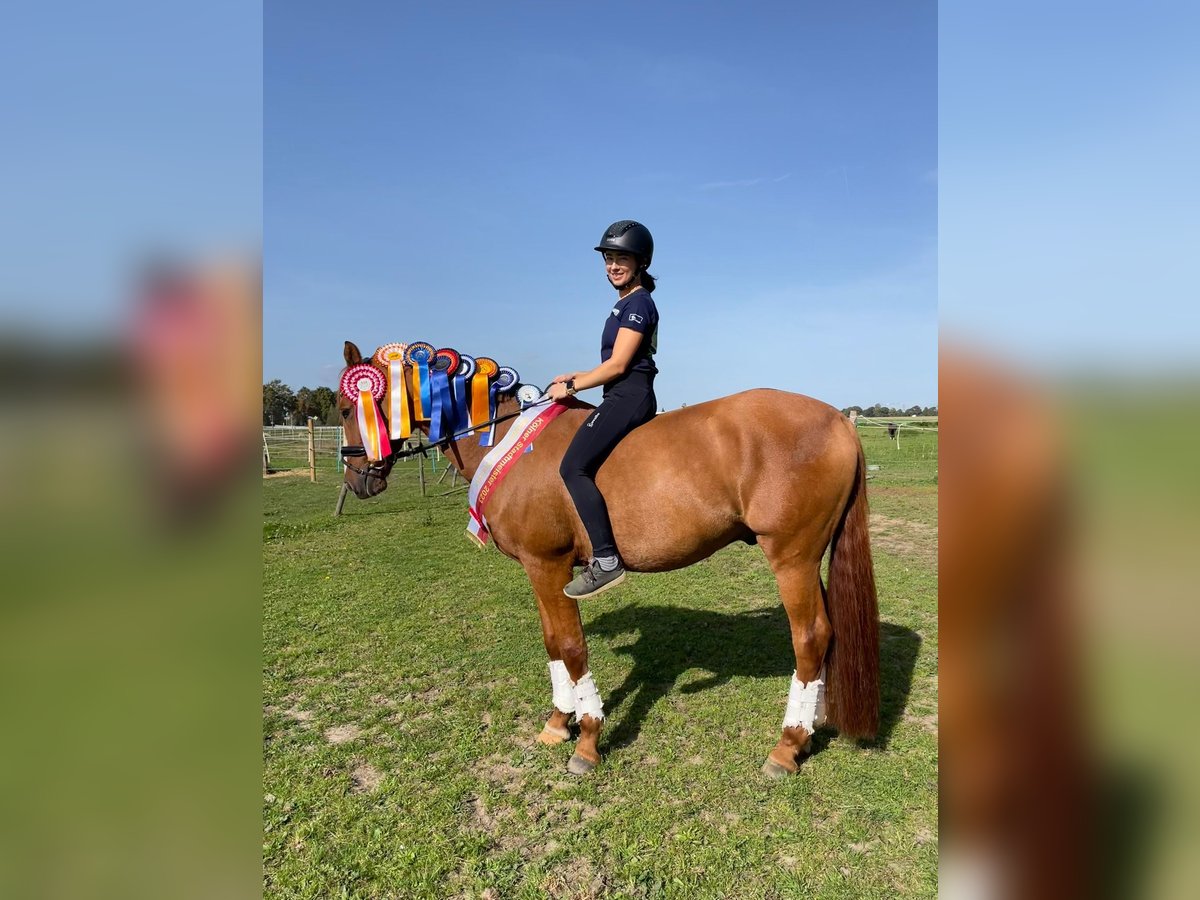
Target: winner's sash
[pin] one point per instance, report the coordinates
(500, 459)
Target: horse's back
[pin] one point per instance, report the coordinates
(759, 421)
(762, 462)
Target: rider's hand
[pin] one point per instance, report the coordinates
(559, 379)
(558, 390)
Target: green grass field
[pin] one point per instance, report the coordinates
(405, 679)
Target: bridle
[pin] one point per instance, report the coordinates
(380, 467)
(377, 468)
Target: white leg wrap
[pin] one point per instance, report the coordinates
(560, 682)
(806, 703)
(587, 698)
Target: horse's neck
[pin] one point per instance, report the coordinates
(465, 454)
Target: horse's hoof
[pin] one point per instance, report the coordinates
(577, 765)
(773, 769)
(551, 736)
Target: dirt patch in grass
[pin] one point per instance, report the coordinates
(503, 774)
(366, 778)
(569, 812)
(342, 734)
(576, 879)
(903, 537)
(929, 723)
(484, 820)
(497, 824)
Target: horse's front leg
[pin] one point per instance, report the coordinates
(572, 687)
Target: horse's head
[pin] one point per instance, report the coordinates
(365, 477)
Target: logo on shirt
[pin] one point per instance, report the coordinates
(616, 312)
(634, 317)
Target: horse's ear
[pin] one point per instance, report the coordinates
(352, 354)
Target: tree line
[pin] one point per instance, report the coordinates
(879, 411)
(283, 406)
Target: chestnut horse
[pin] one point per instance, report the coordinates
(768, 467)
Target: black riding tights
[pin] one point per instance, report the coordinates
(628, 405)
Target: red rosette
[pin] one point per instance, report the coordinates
(363, 377)
(447, 360)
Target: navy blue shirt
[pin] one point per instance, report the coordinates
(638, 312)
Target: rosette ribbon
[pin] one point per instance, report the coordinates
(507, 380)
(482, 399)
(458, 389)
(506, 383)
(399, 413)
(489, 438)
(441, 415)
(365, 384)
(419, 355)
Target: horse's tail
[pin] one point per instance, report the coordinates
(852, 665)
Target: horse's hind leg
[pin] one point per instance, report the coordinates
(800, 589)
(562, 632)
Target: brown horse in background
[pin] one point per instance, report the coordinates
(768, 467)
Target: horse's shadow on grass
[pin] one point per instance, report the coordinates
(670, 640)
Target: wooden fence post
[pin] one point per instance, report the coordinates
(312, 452)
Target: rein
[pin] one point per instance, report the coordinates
(376, 467)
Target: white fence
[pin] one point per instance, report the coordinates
(286, 447)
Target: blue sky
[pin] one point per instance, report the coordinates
(1069, 199)
(131, 127)
(441, 172)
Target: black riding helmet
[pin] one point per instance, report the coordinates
(628, 236)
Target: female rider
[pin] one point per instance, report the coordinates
(626, 372)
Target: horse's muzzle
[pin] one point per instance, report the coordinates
(372, 478)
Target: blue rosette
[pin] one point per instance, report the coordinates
(441, 419)
(459, 386)
(419, 355)
(507, 380)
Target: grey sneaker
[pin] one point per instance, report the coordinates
(594, 580)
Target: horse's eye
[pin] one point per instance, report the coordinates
(345, 413)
